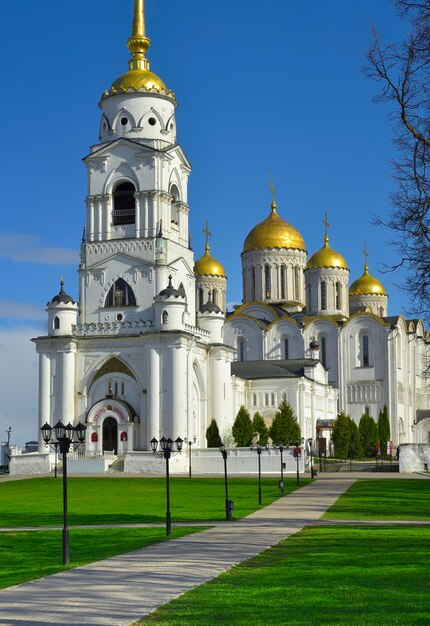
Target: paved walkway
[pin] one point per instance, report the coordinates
(122, 589)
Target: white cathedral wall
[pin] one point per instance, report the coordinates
(275, 337)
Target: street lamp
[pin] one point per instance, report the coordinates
(228, 506)
(66, 438)
(166, 452)
(189, 454)
(258, 447)
(281, 482)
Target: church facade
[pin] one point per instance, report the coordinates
(149, 348)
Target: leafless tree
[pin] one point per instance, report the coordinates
(403, 71)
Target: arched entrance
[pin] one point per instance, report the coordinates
(110, 435)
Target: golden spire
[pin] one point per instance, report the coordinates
(138, 43)
(272, 189)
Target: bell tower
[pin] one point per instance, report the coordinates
(136, 232)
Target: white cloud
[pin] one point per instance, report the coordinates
(19, 384)
(20, 311)
(29, 249)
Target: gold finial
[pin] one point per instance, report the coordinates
(366, 254)
(208, 234)
(138, 43)
(272, 189)
(326, 225)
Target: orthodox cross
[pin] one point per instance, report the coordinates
(208, 234)
(326, 224)
(272, 188)
(366, 254)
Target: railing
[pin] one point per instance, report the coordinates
(83, 455)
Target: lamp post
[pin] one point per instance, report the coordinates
(66, 438)
(258, 447)
(223, 451)
(166, 452)
(310, 443)
(281, 482)
(189, 454)
(297, 454)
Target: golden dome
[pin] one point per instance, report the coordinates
(327, 257)
(138, 77)
(367, 285)
(208, 266)
(138, 80)
(274, 232)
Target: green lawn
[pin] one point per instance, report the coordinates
(106, 500)
(322, 576)
(26, 556)
(383, 500)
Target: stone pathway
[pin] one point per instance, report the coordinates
(122, 589)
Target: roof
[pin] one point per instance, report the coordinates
(291, 368)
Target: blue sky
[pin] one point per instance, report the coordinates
(262, 87)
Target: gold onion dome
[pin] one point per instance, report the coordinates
(138, 77)
(274, 232)
(208, 266)
(367, 285)
(326, 257)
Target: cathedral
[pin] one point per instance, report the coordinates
(150, 348)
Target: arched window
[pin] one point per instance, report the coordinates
(338, 296)
(201, 298)
(323, 296)
(241, 349)
(283, 282)
(56, 323)
(286, 349)
(120, 294)
(124, 204)
(323, 351)
(215, 296)
(253, 283)
(165, 317)
(174, 192)
(267, 281)
(365, 350)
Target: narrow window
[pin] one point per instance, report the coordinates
(120, 294)
(323, 351)
(214, 296)
(241, 350)
(165, 317)
(266, 399)
(286, 349)
(56, 323)
(338, 296)
(124, 204)
(267, 281)
(201, 298)
(253, 283)
(283, 282)
(272, 399)
(323, 296)
(254, 399)
(308, 299)
(297, 283)
(365, 349)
